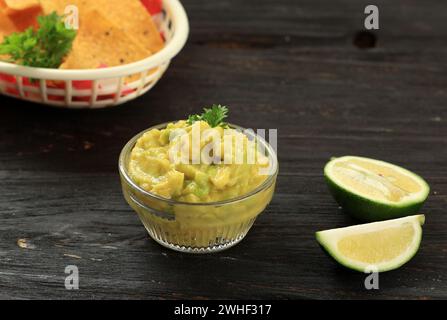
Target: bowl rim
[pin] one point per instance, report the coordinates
(170, 50)
(127, 149)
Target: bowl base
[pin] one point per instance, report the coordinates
(198, 250)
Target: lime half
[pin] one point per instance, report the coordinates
(374, 190)
(374, 247)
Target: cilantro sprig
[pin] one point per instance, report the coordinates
(45, 47)
(215, 116)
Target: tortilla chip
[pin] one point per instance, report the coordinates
(129, 16)
(6, 25)
(101, 42)
(20, 5)
(59, 6)
(6, 28)
(133, 19)
(22, 13)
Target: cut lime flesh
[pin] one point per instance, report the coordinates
(378, 246)
(374, 190)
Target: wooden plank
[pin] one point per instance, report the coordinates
(289, 65)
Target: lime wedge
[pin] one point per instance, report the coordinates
(372, 190)
(378, 246)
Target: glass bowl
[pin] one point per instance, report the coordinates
(197, 227)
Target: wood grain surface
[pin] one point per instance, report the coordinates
(291, 65)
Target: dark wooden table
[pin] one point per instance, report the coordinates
(292, 65)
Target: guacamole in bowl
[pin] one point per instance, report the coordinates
(198, 188)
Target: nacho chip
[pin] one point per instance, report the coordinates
(101, 42)
(6, 25)
(22, 13)
(20, 5)
(6, 28)
(133, 18)
(59, 6)
(129, 16)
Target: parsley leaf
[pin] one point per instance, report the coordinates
(214, 116)
(45, 47)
